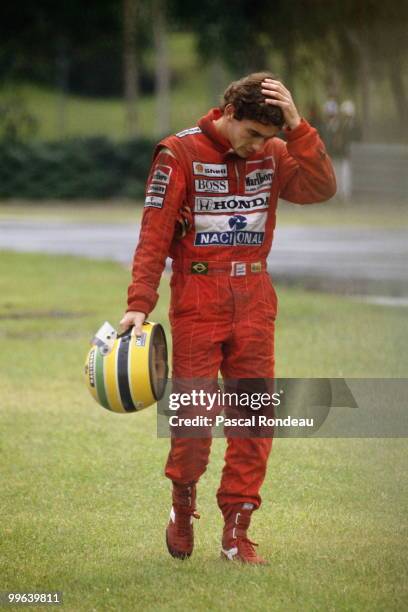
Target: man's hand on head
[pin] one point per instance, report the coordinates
(133, 318)
(276, 93)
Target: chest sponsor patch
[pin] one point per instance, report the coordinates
(188, 131)
(230, 230)
(218, 170)
(153, 202)
(259, 175)
(161, 174)
(157, 188)
(209, 186)
(231, 203)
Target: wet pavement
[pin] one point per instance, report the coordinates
(354, 260)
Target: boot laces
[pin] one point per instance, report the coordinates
(183, 521)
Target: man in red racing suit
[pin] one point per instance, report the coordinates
(219, 182)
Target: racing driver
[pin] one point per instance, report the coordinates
(210, 205)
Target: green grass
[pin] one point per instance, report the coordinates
(106, 117)
(84, 500)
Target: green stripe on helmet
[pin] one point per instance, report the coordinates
(100, 385)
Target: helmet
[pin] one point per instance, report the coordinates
(125, 373)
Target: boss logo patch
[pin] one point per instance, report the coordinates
(211, 186)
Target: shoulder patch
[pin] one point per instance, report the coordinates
(161, 174)
(153, 202)
(188, 131)
(156, 188)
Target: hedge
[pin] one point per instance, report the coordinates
(77, 168)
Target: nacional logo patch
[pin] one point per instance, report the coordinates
(260, 175)
(161, 174)
(231, 203)
(218, 170)
(230, 230)
(210, 186)
(153, 202)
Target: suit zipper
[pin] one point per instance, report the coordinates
(237, 174)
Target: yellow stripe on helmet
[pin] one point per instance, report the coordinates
(139, 378)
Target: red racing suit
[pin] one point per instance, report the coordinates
(223, 304)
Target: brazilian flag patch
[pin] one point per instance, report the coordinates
(199, 267)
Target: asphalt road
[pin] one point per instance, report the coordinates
(354, 260)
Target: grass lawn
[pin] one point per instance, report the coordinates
(86, 117)
(84, 501)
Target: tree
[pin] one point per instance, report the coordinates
(355, 38)
(130, 68)
(44, 41)
(162, 69)
(372, 36)
(33, 32)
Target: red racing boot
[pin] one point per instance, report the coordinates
(235, 544)
(179, 532)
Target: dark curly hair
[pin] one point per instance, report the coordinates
(248, 101)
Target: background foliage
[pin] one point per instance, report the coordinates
(340, 48)
(92, 168)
